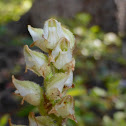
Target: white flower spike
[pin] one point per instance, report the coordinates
(56, 66)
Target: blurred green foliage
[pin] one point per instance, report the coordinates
(99, 98)
(13, 9)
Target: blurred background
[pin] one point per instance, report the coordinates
(100, 74)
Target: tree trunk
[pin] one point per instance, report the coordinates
(121, 17)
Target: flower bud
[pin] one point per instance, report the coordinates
(36, 62)
(62, 54)
(65, 108)
(41, 120)
(30, 91)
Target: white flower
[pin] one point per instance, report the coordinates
(57, 84)
(62, 54)
(36, 62)
(48, 37)
(65, 108)
(30, 91)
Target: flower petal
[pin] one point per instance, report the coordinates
(52, 32)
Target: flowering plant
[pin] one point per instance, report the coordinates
(56, 66)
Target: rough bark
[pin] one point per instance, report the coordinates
(121, 16)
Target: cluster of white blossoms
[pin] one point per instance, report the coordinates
(56, 66)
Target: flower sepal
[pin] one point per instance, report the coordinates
(30, 91)
(36, 62)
